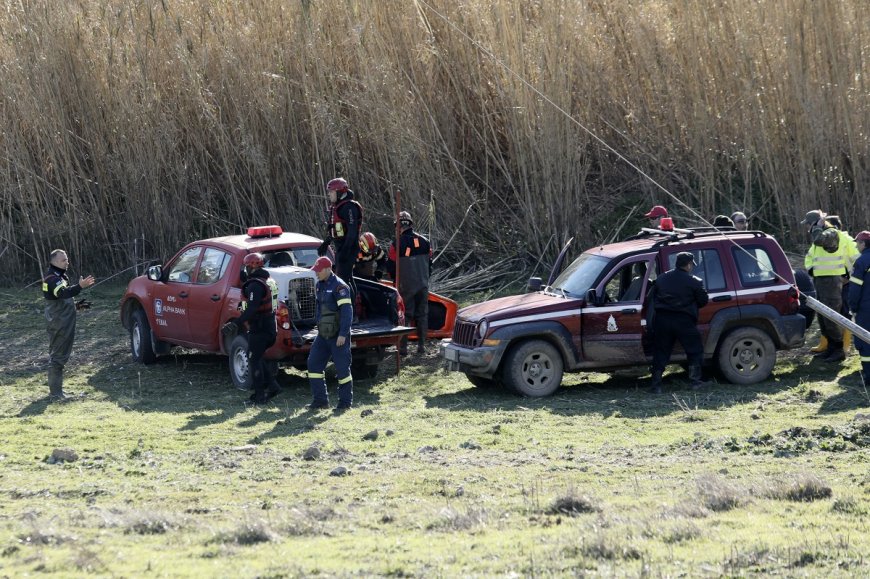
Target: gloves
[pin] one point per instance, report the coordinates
(230, 330)
(324, 247)
(83, 304)
(379, 275)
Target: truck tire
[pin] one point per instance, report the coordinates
(364, 371)
(747, 355)
(140, 339)
(239, 371)
(533, 368)
(481, 382)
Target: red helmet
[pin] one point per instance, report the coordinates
(367, 242)
(337, 184)
(254, 260)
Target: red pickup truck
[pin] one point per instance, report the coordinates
(186, 301)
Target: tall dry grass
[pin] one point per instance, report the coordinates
(177, 119)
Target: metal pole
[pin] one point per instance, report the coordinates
(397, 233)
(838, 319)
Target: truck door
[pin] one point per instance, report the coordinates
(170, 303)
(207, 295)
(613, 329)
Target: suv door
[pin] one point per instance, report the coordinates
(613, 331)
(170, 304)
(206, 297)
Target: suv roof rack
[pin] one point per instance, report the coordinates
(679, 234)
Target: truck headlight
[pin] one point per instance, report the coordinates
(482, 327)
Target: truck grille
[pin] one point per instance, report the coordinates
(302, 300)
(465, 334)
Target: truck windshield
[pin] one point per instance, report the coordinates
(578, 277)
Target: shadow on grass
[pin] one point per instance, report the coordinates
(854, 395)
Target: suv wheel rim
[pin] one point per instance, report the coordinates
(537, 369)
(747, 355)
(241, 364)
(137, 339)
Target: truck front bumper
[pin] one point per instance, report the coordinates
(482, 361)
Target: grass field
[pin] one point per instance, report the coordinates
(176, 476)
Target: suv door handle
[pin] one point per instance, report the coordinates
(722, 298)
(629, 311)
(215, 298)
(183, 294)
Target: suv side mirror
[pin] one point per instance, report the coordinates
(591, 297)
(534, 284)
(155, 272)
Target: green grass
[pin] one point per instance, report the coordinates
(176, 476)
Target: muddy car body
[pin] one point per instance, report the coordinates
(593, 316)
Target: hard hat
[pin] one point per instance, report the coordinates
(657, 211)
(322, 263)
(254, 260)
(405, 219)
(367, 242)
(337, 184)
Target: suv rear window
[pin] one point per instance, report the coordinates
(709, 268)
(754, 265)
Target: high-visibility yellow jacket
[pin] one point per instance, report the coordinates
(822, 263)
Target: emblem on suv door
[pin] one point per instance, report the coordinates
(611, 324)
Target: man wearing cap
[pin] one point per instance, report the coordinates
(859, 299)
(740, 221)
(676, 297)
(334, 316)
(655, 216)
(829, 258)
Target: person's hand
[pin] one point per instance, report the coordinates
(340, 341)
(379, 275)
(323, 248)
(86, 282)
(229, 329)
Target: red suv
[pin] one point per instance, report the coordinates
(593, 315)
(186, 302)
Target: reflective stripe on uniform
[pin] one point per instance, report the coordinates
(865, 358)
(856, 281)
(59, 287)
(342, 301)
(315, 375)
(345, 380)
(44, 287)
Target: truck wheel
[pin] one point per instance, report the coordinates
(533, 368)
(746, 356)
(481, 382)
(364, 371)
(140, 339)
(239, 370)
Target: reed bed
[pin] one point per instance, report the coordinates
(129, 128)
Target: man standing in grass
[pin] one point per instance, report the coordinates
(60, 313)
(859, 299)
(414, 254)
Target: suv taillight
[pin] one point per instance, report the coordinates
(400, 309)
(283, 316)
(794, 302)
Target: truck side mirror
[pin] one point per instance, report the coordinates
(155, 272)
(591, 297)
(534, 284)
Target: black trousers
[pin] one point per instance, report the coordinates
(344, 270)
(258, 343)
(670, 327)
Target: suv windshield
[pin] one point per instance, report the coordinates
(580, 275)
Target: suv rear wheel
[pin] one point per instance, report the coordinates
(239, 369)
(746, 356)
(533, 368)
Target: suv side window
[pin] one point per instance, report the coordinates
(213, 266)
(182, 269)
(626, 283)
(709, 268)
(753, 265)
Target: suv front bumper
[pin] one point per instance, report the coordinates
(482, 361)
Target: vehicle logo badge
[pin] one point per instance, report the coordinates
(158, 308)
(611, 324)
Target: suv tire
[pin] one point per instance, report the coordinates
(239, 370)
(746, 356)
(533, 368)
(140, 339)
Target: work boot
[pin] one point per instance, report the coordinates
(317, 405)
(55, 381)
(655, 385)
(696, 378)
(847, 340)
(835, 354)
(421, 340)
(821, 347)
(403, 346)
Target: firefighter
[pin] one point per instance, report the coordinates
(859, 299)
(345, 222)
(829, 258)
(415, 262)
(371, 260)
(677, 296)
(60, 313)
(334, 317)
(258, 312)
(655, 216)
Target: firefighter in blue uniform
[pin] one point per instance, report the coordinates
(334, 317)
(258, 312)
(60, 312)
(345, 222)
(859, 299)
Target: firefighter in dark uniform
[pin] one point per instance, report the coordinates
(371, 260)
(415, 262)
(345, 221)
(258, 312)
(676, 296)
(859, 299)
(334, 316)
(60, 312)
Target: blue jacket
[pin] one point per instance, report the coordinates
(334, 295)
(859, 292)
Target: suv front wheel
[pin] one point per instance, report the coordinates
(746, 356)
(533, 368)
